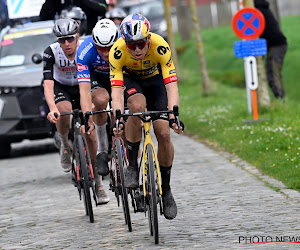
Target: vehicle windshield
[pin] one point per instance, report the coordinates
(149, 9)
(16, 51)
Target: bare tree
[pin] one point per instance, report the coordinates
(206, 87)
(183, 20)
(171, 39)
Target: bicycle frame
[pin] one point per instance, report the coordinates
(148, 141)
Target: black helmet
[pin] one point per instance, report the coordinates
(75, 13)
(65, 27)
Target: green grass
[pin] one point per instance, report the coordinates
(273, 146)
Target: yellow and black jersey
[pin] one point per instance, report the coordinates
(122, 62)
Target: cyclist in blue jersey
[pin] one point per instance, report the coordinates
(94, 83)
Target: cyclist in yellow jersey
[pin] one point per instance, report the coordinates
(135, 63)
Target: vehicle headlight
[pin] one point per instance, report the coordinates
(7, 90)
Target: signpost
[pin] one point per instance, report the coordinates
(248, 24)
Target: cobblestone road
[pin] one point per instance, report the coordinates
(220, 199)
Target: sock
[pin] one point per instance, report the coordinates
(165, 178)
(133, 150)
(64, 140)
(102, 138)
(98, 179)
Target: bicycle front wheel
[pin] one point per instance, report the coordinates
(151, 193)
(124, 194)
(85, 178)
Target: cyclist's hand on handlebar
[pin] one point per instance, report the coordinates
(174, 126)
(91, 127)
(53, 116)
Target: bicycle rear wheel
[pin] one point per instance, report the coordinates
(85, 178)
(121, 179)
(151, 193)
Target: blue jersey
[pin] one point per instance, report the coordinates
(90, 63)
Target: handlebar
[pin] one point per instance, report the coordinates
(151, 114)
(77, 113)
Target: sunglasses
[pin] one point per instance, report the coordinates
(62, 40)
(140, 45)
(103, 49)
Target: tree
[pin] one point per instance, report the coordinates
(171, 39)
(204, 75)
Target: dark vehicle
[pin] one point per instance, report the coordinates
(153, 10)
(23, 109)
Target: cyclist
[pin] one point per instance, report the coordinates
(61, 88)
(134, 61)
(94, 83)
(116, 15)
(77, 14)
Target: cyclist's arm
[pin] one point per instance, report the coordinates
(48, 62)
(173, 96)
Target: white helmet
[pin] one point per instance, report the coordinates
(105, 33)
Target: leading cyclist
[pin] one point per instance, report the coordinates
(138, 54)
(61, 91)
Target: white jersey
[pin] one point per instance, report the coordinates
(58, 67)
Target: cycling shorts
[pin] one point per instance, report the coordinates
(154, 90)
(98, 81)
(67, 93)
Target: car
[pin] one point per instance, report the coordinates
(23, 108)
(153, 10)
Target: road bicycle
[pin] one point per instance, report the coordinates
(82, 170)
(118, 165)
(151, 178)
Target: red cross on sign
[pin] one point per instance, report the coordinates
(248, 23)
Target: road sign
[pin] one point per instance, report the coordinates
(251, 72)
(256, 47)
(248, 23)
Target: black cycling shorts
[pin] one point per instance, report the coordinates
(67, 93)
(100, 82)
(154, 90)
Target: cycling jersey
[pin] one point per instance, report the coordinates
(122, 61)
(90, 63)
(58, 67)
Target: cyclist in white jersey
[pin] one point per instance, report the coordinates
(62, 91)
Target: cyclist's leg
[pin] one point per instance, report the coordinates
(165, 151)
(100, 98)
(136, 102)
(63, 103)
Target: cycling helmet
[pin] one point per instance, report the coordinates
(135, 27)
(115, 13)
(75, 13)
(105, 33)
(65, 27)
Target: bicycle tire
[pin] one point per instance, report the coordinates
(85, 179)
(152, 205)
(124, 193)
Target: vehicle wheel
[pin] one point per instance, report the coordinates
(152, 204)
(124, 193)
(85, 179)
(5, 150)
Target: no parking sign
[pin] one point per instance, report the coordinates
(248, 23)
